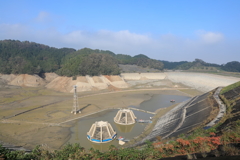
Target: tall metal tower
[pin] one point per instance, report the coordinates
(75, 108)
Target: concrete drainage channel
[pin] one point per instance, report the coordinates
(222, 109)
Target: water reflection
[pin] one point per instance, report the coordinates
(124, 128)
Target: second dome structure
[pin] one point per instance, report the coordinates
(125, 117)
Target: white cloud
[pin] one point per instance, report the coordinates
(43, 17)
(210, 37)
(209, 46)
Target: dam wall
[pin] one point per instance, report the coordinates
(201, 81)
(142, 76)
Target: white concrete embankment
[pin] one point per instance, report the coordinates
(201, 81)
(139, 76)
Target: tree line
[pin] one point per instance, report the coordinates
(24, 57)
(233, 66)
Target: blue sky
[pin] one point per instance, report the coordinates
(172, 30)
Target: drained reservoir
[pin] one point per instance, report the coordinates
(82, 126)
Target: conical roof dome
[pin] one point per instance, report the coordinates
(125, 117)
(101, 132)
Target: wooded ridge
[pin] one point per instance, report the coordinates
(26, 57)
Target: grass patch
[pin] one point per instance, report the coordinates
(230, 87)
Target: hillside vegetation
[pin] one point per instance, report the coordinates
(26, 57)
(200, 65)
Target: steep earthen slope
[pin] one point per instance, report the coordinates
(200, 81)
(65, 84)
(115, 81)
(86, 83)
(8, 77)
(50, 76)
(27, 80)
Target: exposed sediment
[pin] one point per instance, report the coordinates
(199, 81)
(27, 80)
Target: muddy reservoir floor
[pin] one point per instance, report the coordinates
(48, 108)
(83, 125)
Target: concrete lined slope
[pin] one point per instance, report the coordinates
(166, 124)
(28, 80)
(181, 119)
(201, 81)
(139, 76)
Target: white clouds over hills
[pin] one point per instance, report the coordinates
(210, 37)
(210, 46)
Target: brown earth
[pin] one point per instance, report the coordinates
(200, 81)
(28, 80)
(97, 79)
(113, 78)
(50, 76)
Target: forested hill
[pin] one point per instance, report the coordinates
(26, 57)
(198, 65)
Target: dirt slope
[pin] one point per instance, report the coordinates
(28, 80)
(86, 83)
(200, 81)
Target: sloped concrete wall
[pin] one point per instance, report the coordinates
(201, 81)
(139, 76)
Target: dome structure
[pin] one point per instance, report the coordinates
(125, 117)
(101, 132)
